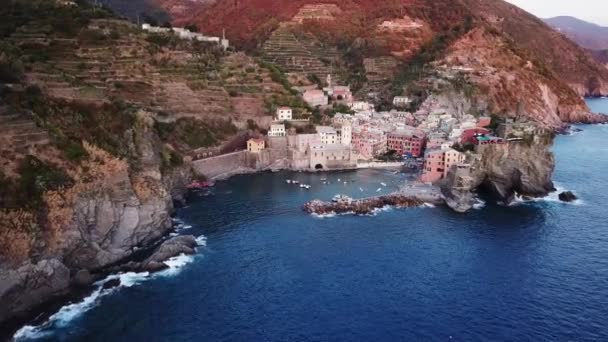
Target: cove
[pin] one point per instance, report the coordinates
(270, 272)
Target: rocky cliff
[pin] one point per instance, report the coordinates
(521, 168)
(109, 210)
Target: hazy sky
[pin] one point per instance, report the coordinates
(595, 11)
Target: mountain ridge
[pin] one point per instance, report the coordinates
(588, 35)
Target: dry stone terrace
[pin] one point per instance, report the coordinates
(18, 135)
(115, 59)
(298, 55)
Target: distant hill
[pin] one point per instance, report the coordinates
(588, 35)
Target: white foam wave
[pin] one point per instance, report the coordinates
(72, 311)
(324, 216)
(428, 205)
(551, 197)
(479, 204)
(201, 240)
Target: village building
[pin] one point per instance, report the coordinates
(361, 106)
(256, 145)
(410, 143)
(345, 133)
(401, 101)
(452, 157)
(434, 166)
(331, 156)
(484, 121)
(277, 130)
(469, 135)
(284, 114)
(328, 135)
(315, 98)
(303, 141)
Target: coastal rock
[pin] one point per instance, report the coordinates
(503, 171)
(82, 278)
(360, 207)
(31, 285)
(109, 213)
(168, 249)
(110, 284)
(567, 196)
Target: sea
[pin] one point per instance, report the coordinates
(266, 271)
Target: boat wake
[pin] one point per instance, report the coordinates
(70, 312)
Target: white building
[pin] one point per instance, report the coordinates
(284, 113)
(277, 130)
(183, 33)
(328, 135)
(345, 134)
(400, 101)
(361, 106)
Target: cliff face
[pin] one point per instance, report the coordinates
(108, 211)
(521, 168)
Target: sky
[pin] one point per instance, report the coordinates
(595, 11)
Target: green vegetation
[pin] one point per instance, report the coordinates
(277, 75)
(390, 156)
(195, 133)
(36, 178)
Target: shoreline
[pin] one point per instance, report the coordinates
(76, 293)
(248, 171)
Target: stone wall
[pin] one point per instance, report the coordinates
(221, 166)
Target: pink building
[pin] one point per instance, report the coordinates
(315, 98)
(484, 122)
(435, 143)
(469, 135)
(434, 167)
(406, 142)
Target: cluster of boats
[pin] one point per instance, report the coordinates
(196, 185)
(295, 182)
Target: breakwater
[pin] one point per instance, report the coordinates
(366, 206)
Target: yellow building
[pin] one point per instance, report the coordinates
(256, 145)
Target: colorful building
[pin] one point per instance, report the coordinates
(434, 166)
(406, 142)
(469, 136)
(256, 145)
(452, 157)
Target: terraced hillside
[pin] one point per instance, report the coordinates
(300, 54)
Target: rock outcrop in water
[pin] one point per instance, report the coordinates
(521, 168)
(361, 207)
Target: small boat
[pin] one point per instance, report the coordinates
(379, 189)
(288, 181)
(323, 179)
(295, 182)
(361, 189)
(339, 180)
(383, 184)
(199, 185)
(340, 198)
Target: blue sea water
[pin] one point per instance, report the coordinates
(535, 271)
